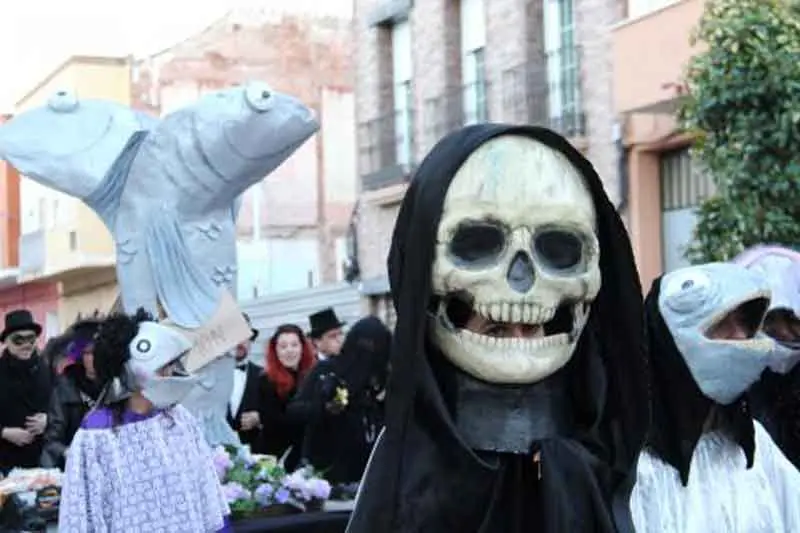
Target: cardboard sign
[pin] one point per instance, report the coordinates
(223, 332)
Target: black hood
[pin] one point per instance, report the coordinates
(422, 477)
(680, 409)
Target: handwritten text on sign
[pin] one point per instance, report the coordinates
(223, 332)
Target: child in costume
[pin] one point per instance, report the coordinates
(139, 462)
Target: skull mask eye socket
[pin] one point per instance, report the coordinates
(560, 250)
(477, 243)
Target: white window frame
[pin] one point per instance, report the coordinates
(472, 18)
(402, 73)
(563, 70)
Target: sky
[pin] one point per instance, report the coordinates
(37, 35)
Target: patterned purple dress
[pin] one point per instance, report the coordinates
(150, 473)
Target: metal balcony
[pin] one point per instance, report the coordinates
(386, 150)
(546, 92)
(456, 107)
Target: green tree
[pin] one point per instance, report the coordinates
(744, 110)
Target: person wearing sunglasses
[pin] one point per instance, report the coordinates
(25, 389)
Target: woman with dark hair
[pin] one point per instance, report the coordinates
(289, 358)
(140, 461)
(341, 402)
(75, 391)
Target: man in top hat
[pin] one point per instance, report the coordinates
(326, 333)
(245, 402)
(25, 388)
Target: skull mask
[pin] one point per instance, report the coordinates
(517, 262)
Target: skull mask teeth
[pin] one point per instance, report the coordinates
(517, 263)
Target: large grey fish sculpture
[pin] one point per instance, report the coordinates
(171, 194)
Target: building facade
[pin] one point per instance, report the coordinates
(427, 67)
(41, 298)
(292, 226)
(664, 185)
(62, 241)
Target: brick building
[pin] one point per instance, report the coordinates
(297, 219)
(427, 67)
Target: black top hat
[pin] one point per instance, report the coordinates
(254, 332)
(19, 320)
(322, 322)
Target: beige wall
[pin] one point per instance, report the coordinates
(83, 293)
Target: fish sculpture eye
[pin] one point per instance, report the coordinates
(63, 102)
(259, 97)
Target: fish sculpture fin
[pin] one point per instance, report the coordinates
(237, 206)
(189, 298)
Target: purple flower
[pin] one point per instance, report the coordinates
(234, 491)
(319, 489)
(282, 496)
(263, 494)
(295, 481)
(222, 463)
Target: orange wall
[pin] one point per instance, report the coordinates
(9, 213)
(651, 53)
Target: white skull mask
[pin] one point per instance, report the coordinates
(517, 262)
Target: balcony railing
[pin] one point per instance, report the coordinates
(386, 149)
(546, 92)
(456, 107)
(32, 252)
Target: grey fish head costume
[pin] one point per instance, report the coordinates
(697, 369)
(167, 189)
(513, 404)
(692, 301)
(781, 268)
(776, 396)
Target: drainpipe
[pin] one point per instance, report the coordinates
(623, 168)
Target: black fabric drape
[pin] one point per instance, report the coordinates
(422, 477)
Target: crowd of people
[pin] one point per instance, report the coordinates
(314, 397)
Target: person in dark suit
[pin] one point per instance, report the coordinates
(25, 389)
(326, 333)
(246, 397)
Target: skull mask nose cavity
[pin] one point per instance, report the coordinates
(521, 273)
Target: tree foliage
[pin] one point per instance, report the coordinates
(744, 108)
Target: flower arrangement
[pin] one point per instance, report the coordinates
(258, 485)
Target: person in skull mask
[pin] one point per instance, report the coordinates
(518, 397)
(775, 397)
(708, 466)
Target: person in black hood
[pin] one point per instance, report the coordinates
(75, 392)
(518, 396)
(341, 403)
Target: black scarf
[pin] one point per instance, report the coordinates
(680, 409)
(422, 477)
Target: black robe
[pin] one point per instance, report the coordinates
(422, 477)
(282, 431)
